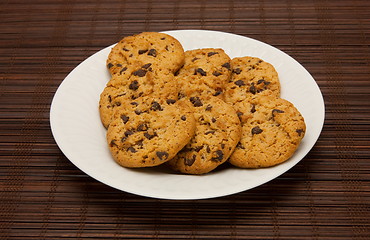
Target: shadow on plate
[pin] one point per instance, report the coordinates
(164, 169)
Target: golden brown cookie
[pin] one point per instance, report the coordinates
(217, 132)
(251, 76)
(272, 131)
(206, 71)
(123, 90)
(161, 50)
(150, 133)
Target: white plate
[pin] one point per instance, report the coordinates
(77, 129)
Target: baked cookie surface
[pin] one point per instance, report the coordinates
(150, 133)
(124, 90)
(205, 71)
(161, 50)
(217, 132)
(251, 76)
(272, 131)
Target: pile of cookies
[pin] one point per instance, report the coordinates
(193, 111)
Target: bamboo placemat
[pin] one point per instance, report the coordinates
(44, 196)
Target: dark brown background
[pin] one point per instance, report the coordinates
(44, 196)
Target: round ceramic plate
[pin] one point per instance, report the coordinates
(76, 126)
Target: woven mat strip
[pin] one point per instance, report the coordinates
(12, 192)
(344, 139)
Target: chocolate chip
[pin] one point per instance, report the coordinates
(163, 38)
(142, 51)
(131, 149)
(156, 106)
(152, 52)
(146, 66)
(110, 65)
(209, 108)
(240, 83)
(142, 127)
(128, 133)
(194, 59)
(277, 111)
(299, 131)
(208, 149)
(109, 98)
(211, 54)
(124, 118)
(239, 114)
(219, 156)
(162, 155)
(189, 162)
(170, 101)
(134, 103)
(138, 112)
(263, 81)
(122, 70)
(205, 123)
(237, 71)
(198, 148)
(183, 118)
(252, 89)
(213, 120)
(120, 95)
(125, 49)
(260, 81)
(216, 74)
(218, 92)
(256, 130)
(117, 103)
(200, 71)
(149, 136)
(196, 101)
(253, 109)
(134, 85)
(222, 145)
(209, 132)
(139, 143)
(123, 139)
(140, 73)
(226, 65)
(113, 143)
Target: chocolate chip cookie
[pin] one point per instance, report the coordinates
(272, 131)
(150, 133)
(124, 90)
(161, 50)
(251, 76)
(206, 71)
(217, 132)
